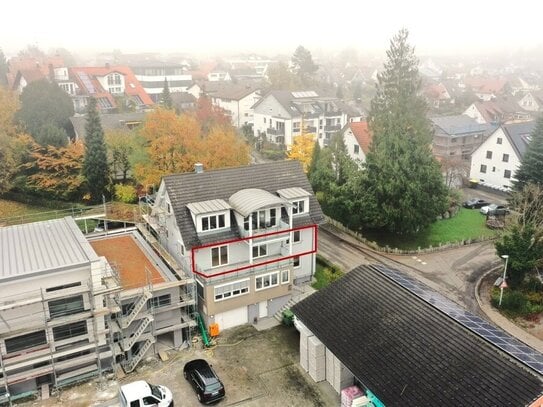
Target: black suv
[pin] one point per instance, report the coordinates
(205, 381)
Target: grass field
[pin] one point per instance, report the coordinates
(467, 224)
(11, 209)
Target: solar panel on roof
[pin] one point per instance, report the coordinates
(305, 94)
(507, 343)
(86, 81)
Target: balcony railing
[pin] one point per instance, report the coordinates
(281, 225)
(275, 132)
(334, 127)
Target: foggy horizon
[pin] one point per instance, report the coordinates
(212, 28)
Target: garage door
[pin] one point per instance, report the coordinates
(229, 319)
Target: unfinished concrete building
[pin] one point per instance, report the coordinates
(73, 307)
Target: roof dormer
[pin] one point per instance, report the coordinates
(212, 215)
(298, 197)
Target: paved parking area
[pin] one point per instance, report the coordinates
(258, 368)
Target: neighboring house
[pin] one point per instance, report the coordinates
(152, 73)
(404, 344)
(236, 99)
(437, 95)
(110, 85)
(25, 77)
(248, 236)
(25, 70)
(218, 75)
(496, 161)
(259, 65)
(497, 111)
(112, 121)
(523, 84)
(195, 90)
(73, 308)
(532, 101)
(357, 138)
(183, 101)
(457, 136)
(485, 88)
(280, 115)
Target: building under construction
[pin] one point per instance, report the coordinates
(74, 307)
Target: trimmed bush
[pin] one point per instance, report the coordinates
(125, 193)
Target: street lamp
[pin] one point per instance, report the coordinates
(503, 283)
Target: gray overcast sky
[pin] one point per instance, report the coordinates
(441, 27)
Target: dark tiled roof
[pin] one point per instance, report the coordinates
(406, 351)
(111, 121)
(518, 134)
(458, 124)
(190, 187)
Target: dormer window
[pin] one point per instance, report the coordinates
(298, 207)
(213, 222)
(114, 79)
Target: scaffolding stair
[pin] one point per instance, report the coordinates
(125, 323)
(130, 365)
(127, 343)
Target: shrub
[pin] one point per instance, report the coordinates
(125, 193)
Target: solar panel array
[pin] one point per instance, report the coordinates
(476, 324)
(86, 82)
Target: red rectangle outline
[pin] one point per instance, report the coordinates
(194, 249)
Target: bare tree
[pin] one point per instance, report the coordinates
(455, 169)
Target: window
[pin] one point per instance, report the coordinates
(26, 341)
(356, 148)
(213, 222)
(168, 208)
(296, 236)
(234, 289)
(505, 158)
(483, 169)
(70, 330)
(246, 222)
(499, 140)
(160, 301)
(284, 276)
(298, 207)
(181, 248)
(219, 256)
(127, 308)
(489, 154)
(273, 217)
(296, 261)
(114, 79)
(66, 306)
(507, 174)
(260, 250)
(63, 287)
(264, 120)
(267, 281)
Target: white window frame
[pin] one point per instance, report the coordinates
(259, 247)
(296, 206)
(217, 217)
(283, 272)
(263, 277)
(219, 248)
(181, 248)
(244, 289)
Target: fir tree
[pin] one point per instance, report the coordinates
(95, 165)
(531, 165)
(166, 97)
(3, 69)
(402, 186)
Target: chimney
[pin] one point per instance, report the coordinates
(198, 168)
(108, 65)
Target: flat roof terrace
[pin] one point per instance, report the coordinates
(135, 261)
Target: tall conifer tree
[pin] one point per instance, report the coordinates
(531, 165)
(403, 189)
(95, 165)
(166, 97)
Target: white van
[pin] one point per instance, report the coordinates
(141, 393)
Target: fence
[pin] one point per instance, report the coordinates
(392, 250)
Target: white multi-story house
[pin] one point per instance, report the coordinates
(74, 307)
(247, 235)
(280, 115)
(357, 139)
(532, 101)
(495, 162)
(236, 99)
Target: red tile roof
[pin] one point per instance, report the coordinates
(486, 85)
(132, 85)
(362, 134)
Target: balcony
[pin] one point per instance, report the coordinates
(311, 129)
(275, 132)
(335, 127)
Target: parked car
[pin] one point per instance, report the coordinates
(494, 209)
(475, 203)
(204, 380)
(141, 393)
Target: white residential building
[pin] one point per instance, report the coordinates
(280, 115)
(496, 160)
(357, 139)
(237, 99)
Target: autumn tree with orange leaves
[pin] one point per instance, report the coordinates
(302, 149)
(175, 143)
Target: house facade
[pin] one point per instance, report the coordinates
(75, 307)
(357, 139)
(280, 116)
(236, 99)
(247, 235)
(532, 101)
(457, 136)
(497, 111)
(495, 162)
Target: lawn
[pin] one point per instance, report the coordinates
(13, 209)
(467, 224)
